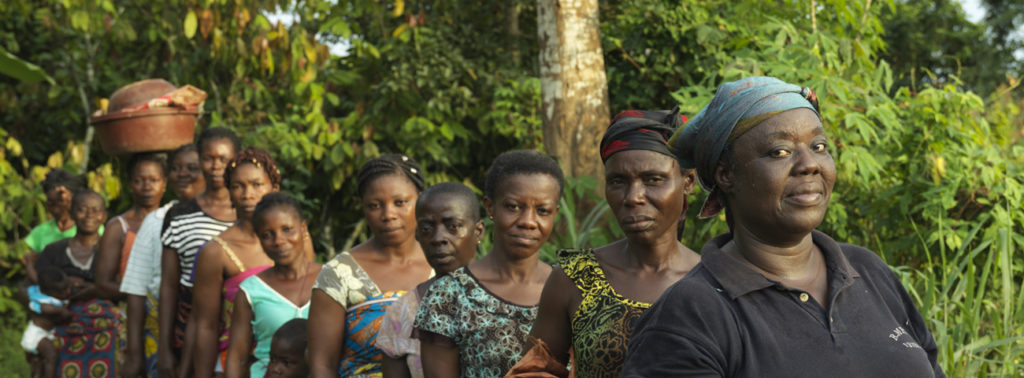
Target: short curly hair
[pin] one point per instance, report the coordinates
(187, 147)
(459, 191)
(522, 162)
(59, 177)
(158, 158)
(219, 132)
(273, 201)
(83, 194)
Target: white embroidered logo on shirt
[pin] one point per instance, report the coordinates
(898, 333)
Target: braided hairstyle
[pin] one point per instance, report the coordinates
(258, 157)
(215, 133)
(159, 158)
(522, 162)
(272, 201)
(391, 164)
(59, 177)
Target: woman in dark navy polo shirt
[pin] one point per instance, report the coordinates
(774, 297)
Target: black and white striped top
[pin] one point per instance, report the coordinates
(186, 229)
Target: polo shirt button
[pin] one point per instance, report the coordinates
(804, 297)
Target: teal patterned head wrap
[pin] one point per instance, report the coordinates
(700, 144)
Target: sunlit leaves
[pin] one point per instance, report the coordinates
(189, 26)
(399, 8)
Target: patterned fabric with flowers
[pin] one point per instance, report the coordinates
(347, 283)
(344, 280)
(489, 332)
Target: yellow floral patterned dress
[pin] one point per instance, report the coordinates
(603, 324)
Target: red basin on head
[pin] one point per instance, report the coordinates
(147, 130)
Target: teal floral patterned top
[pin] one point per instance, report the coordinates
(489, 332)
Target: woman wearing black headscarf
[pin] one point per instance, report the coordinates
(774, 297)
(592, 300)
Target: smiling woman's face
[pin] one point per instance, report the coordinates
(186, 176)
(280, 231)
(89, 213)
(780, 177)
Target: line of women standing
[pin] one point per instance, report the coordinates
(773, 297)
(645, 305)
(230, 258)
(141, 281)
(212, 254)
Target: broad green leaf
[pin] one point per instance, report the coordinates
(12, 66)
(190, 24)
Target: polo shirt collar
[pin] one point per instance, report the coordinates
(738, 279)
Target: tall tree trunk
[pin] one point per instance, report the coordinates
(512, 28)
(574, 90)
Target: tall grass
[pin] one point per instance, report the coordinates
(973, 299)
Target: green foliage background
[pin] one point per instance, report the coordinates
(923, 109)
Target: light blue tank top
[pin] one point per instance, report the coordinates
(270, 311)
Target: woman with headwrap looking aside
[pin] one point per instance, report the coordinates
(774, 297)
(593, 299)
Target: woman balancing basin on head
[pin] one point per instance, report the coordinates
(593, 299)
(774, 297)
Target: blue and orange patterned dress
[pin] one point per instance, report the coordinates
(347, 283)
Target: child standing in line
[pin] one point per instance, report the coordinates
(288, 351)
(59, 186)
(48, 305)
